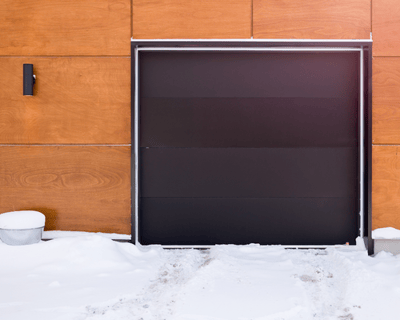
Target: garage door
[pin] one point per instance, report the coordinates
(248, 146)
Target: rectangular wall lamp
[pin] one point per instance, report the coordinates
(29, 79)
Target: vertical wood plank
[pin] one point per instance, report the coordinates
(195, 19)
(81, 188)
(386, 100)
(312, 19)
(385, 187)
(386, 27)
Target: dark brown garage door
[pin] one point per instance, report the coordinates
(248, 147)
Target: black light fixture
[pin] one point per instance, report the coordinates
(29, 79)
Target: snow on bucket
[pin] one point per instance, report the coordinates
(21, 227)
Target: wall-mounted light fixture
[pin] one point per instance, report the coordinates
(29, 79)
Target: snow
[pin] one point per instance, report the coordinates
(93, 277)
(386, 233)
(22, 220)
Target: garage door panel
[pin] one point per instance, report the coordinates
(205, 221)
(248, 74)
(248, 122)
(248, 172)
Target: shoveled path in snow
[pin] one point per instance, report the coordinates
(326, 277)
(263, 283)
(84, 278)
(158, 299)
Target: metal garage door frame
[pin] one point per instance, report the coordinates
(364, 47)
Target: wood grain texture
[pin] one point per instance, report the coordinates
(77, 188)
(312, 19)
(386, 100)
(59, 27)
(196, 19)
(385, 187)
(386, 27)
(76, 100)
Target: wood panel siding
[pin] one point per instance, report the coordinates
(82, 188)
(64, 28)
(196, 19)
(386, 27)
(315, 19)
(385, 187)
(75, 101)
(386, 100)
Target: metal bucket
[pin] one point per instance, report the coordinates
(19, 237)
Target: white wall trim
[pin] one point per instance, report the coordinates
(327, 49)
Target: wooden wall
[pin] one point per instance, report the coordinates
(386, 114)
(66, 150)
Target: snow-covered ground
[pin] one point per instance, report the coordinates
(92, 277)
